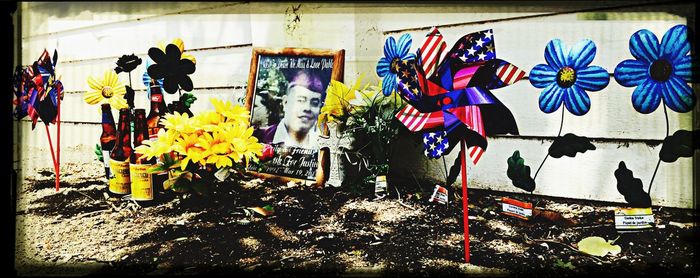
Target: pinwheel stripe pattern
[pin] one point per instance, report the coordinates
(509, 73)
(432, 49)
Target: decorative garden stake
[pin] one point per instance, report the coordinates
(661, 73)
(38, 93)
(449, 99)
(565, 78)
(335, 143)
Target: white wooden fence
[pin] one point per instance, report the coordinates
(91, 36)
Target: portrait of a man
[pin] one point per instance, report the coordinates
(301, 105)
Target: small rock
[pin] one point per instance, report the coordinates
(631, 243)
(545, 245)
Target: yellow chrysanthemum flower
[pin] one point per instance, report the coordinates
(156, 148)
(181, 123)
(209, 120)
(233, 113)
(181, 45)
(107, 89)
(216, 149)
(188, 147)
(244, 146)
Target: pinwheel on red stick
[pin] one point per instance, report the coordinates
(38, 95)
(449, 99)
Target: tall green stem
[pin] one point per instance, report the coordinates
(561, 126)
(658, 162)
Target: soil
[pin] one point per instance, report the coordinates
(330, 231)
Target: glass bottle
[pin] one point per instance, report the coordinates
(141, 180)
(121, 155)
(153, 123)
(108, 138)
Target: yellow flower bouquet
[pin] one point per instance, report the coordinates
(218, 140)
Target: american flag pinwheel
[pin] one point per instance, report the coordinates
(449, 98)
(38, 94)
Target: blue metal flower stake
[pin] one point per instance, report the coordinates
(448, 96)
(565, 79)
(660, 73)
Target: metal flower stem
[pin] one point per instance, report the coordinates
(561, 126)
(658, 162)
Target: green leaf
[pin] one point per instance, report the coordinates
(519, 173)
(680, 144)
(98, 152)
(598, 246)
(561, 264)
(157, 168)
(187, 99)
(181, 185)
(569, 145)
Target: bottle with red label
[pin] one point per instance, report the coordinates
(108, 138)
(120, 156)
(153, 124)
(141, 181)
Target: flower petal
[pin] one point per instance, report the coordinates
(647, 96)
(542, 75)
(110, 78)
(389, 84)
(683, 68)
(185, 67)
(390, 48)
(93, 97)
(630, 73)
(577, 101)
(94, 83)
(582, 54)
(157, 55)
(383, 66)
(554, 54)
(156, 71)
(551, 98)
(404, 45)
(593, 78)
(678, 95)
(675, 44)
(186, 83)
(409, 56)
(172, 53)
(170, 85)
(644, 46)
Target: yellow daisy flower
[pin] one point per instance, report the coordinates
(107, 89)
(187, 146)
(337, 103)
(233, 113)
(216, 149)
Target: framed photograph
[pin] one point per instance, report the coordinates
(286, 90)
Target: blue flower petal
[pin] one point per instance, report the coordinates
(683, 68)
(404, 45)
(551, 98)
(646, 97)
(409, 56)
(542, 75)
(593, 78)
(644, 46)
(554, 54)
(675, 44)
(390, 48)
(630, 73)
(577, 101)
(383, 66)
(582, 54)
(389, 84)
(678, 95)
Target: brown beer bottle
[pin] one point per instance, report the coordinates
(153, 123)
(141, 181)
(120, 156)
(108, 137)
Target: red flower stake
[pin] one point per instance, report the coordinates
(268, 153)
(38, 94)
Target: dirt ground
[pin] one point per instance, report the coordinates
(330, 231)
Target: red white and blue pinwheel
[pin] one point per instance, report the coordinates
(448, 95)
(38, 94)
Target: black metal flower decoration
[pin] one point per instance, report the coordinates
(127, 63)
(171, 68)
